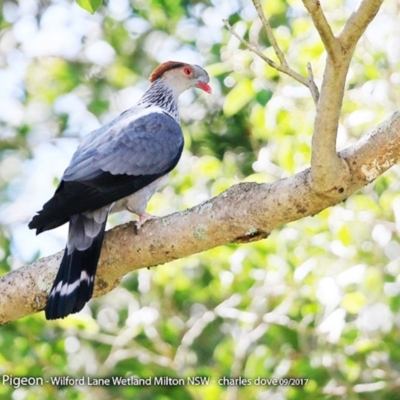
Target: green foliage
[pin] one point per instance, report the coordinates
(89, 5)
(318, 299)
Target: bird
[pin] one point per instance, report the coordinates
(116, 167)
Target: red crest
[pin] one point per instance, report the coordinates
(162, 68)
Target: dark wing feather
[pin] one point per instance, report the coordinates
(128, 155)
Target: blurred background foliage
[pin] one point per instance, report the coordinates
(319, 299)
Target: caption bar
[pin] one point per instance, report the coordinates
(17, 382)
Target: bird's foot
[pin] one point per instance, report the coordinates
(142, 219)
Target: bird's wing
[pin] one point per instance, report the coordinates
(144, 142)
(112, 163)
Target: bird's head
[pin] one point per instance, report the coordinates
(180, 76)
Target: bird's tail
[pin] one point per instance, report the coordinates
(73, 286)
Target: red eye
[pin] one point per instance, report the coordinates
(187, 71)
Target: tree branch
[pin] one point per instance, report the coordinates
(358, 23)
(283, 66)
(270, 34)
(309, 82)
(246, 212)
(331, 44)
(328, 170)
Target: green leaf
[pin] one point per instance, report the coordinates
(89, 5)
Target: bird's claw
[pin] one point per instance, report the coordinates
(142, 219)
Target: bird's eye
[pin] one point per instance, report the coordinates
(187, 71)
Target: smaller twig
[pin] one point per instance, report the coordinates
(270, 34)
(311, 84)
(251, 47)
(284, 68)
(331, 43)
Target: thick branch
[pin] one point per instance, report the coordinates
(327, 168)
(245, 212)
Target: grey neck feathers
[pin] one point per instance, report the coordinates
(159, 94)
